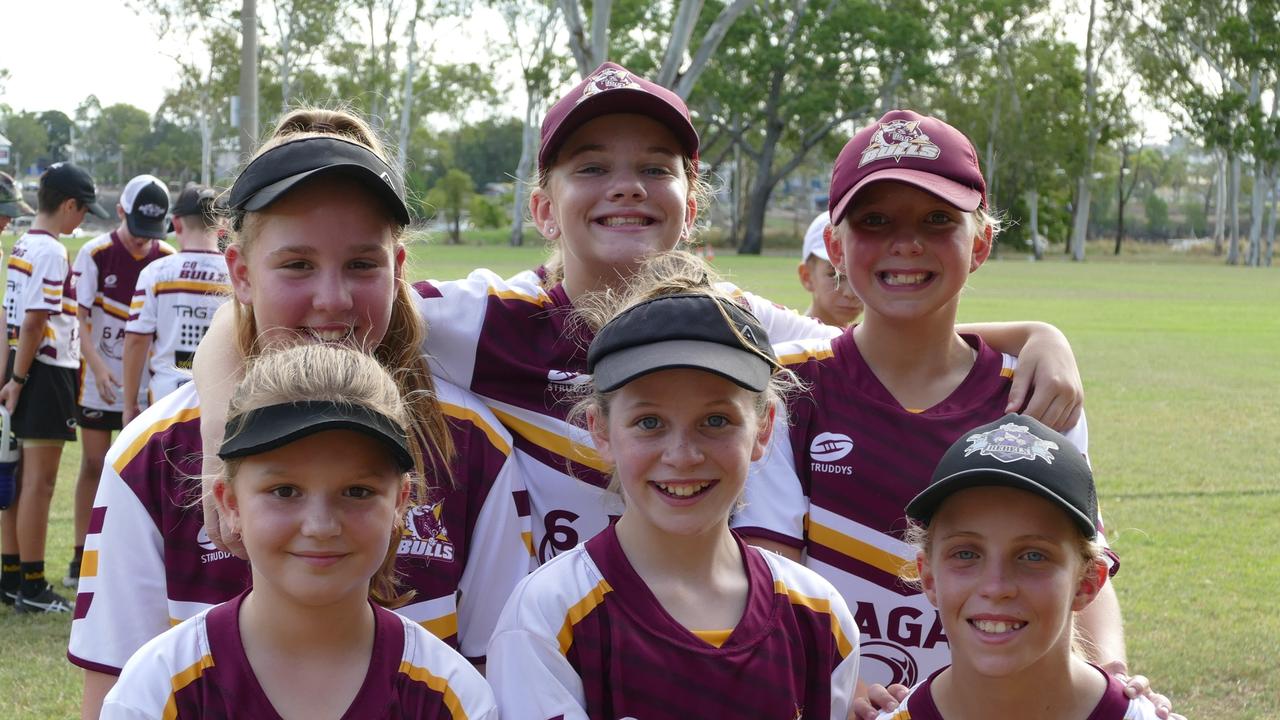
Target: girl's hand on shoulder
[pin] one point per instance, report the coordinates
(879, 699)
(1138, 686)
(1047, 370)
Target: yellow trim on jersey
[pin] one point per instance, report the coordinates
(465, 413)
(51, 292)
(17, 262)
(438, 684)
(1006, 372)
(49, 334)
(819, 605)
(539, 300)
(714, 638)
(89, 564)
(183, 679)
(580, 610)
(557, 444)
(854, 548)
(902, 714)
(806, 355)
(441, 627)
(527, 537)
(135, 447)
(112, 310)
(173, 622)
(207, 288)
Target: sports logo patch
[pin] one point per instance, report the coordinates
(566, 377)
(829, 447)
(1010, 443)
(110, 281)
(608, 79)
(151, 210)
(897, 139)
(424, 533)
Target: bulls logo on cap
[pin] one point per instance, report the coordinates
(897, 139)
(610, 78)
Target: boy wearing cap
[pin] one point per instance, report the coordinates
(104, 273)
(41, 370)
(174, 302)
(11, 203)
(834, 302)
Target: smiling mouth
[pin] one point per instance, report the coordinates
(901, 279)
(330, 336)
(683, 491)
(629, 220)
(997, 627)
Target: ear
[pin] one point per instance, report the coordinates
(925, 573)
(400, 255)
(598, 426)
(1095, 576)
(764, 432)
(402, 502)
(806, 279)
(835, 247)
(228, 506)
(238, 269)
(542, 210)
(177, 225)
(120, 213)
(981, 249)
(691, 210)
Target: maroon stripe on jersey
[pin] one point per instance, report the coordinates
(853, 566)
(83, 601)
(426, 290)
(20, 269)
(96, 517)
(767, 534)
(48, 351)
(92, 666)
(521, 498)
(53, 283)
(1113, 704)
(185, 291)
(560, 463)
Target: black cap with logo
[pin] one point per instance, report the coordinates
(74, 182)
(145, 201)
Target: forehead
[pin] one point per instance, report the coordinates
(897, 193)
(322, 458)
(333, 211)
(621, 132)
(999, 511)
(680, 388)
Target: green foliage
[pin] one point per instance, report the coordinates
(447, 199)
(58, 127)
(29, 138)
(1157, 215)
(487, 213)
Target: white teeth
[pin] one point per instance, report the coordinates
(905, 278)
(614, 221)
(998, 628)
(331, 336)
(683, 489)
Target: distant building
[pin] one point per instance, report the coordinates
(5, 145)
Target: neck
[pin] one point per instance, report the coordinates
(912, 353)
(47, 223)
(270, 620)
(688, 557)
(580, 280)
(1058, 686)
(132, 242)
(206, 241)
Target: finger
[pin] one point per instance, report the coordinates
(212, 523)
(864, 710)
(1018, 389)
(1137, 685)
(882, 697)
(899, 692)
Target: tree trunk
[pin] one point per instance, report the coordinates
(1033, 203)
(528, 140)
(206, 145)
(757, 207)
(1220, 212)
(1233, 207)
(1257, 208)
(406, 92)
(1080, 227)
(248, 76)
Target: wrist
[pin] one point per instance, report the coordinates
(20, 378)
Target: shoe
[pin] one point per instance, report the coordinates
(47, 601)
(8, 597)
(72, 578)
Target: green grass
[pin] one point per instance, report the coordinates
(1179, 356)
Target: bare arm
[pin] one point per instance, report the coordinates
(96, 687)
(1047, 370)
(136, 348)
(29, 336)
(102, 375)
(216, 368)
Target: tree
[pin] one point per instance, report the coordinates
(120, 134)
(449, 196)
(28, 136)
(59, 128)
(302, 29)
(248, 76)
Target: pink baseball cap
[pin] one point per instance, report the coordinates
(913, 149)
(612, 89)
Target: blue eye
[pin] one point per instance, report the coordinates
(965, 555)
(359, 492)
(718, 421)
(285, 491)
(1035, 556)
(648, 422)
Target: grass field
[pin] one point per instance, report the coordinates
(1181, 360)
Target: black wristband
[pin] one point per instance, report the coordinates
(21, 379)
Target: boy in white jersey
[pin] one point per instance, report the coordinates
(40, 390)
(173, 302)
(104, 275)
(834, 302)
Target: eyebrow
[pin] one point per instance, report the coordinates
(1020, 538)
(311, 250)
(596, 147)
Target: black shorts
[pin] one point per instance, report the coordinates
(47, 406)
(95, 419)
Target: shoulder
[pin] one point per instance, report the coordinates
(168, 661)
(164, 249)
(428, 661)
(470, 418)
(781, 322)
(95, 246)
(547, 601)
(799, 352)
(807, 590)
(174, 412)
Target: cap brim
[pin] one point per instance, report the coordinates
(98, 211)
(739, 366)
(278, 425)
(924, 505)
(15, 208)
(154, 229)
(961, 196)
(270, 193)
(621, 101)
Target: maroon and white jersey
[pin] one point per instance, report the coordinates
(919, 705)
(104, 274)
(39, 279)
(835, 483)
(199, 670)
(149, 563)
(174, 301)
(584, 637)
(518, 346)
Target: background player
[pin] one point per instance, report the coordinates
(40, 390)
(319, 467)
(174, 301)
(834, 302)
(105, 273)
(1006, 551)
(683, 398)
(11, 203)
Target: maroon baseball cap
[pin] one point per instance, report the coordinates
(612, 89)
(912, 149)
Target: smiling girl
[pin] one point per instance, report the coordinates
(319, 466)
(668, 613)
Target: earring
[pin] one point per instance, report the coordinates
(551, 230)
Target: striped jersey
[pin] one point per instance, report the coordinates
(199, 669)
(148, 562)
(518, 346)
(584, 637)
(836, 483)
(1113, 705)
(174, 300)
(104, 274)
(39, 279)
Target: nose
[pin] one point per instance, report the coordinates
(320, 519)
(905, 244)
(682, 450)
(627, 184)
(997, 580)
(331, 292)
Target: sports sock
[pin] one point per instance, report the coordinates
(10, 573)
(33, 578)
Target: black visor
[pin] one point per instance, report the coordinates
(273, 173)
(274, 426)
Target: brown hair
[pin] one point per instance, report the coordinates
(400, 349)
(342, 375)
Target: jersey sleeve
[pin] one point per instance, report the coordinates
(454, 313)
(85, 276)
(122, 600)
(44, 292)
(782, 323)
(142, 310)
(532, 679)
(774, 503)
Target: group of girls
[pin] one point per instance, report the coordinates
(644, 602)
